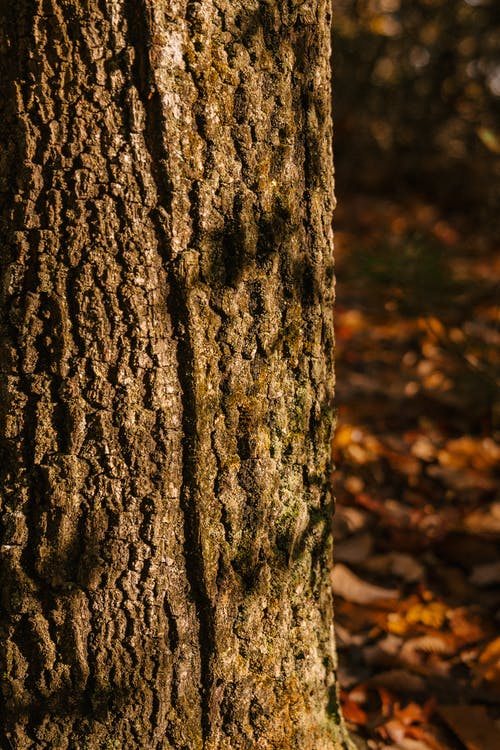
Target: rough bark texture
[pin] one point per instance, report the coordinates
(166, 378)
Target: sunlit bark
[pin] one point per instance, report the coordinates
(166, 375)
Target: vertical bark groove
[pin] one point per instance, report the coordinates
(192, 530)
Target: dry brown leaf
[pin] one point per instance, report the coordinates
(399, 681)
(467, 451)
(353, 484)
(472, 725)
(492, 651)
(393, 729)
(359, 454)
(423, 448)
(403, 462)
(360, 618)
(349, 586)
(345, 636)
(487, 456)
(466, 628)
(397, 564)
(484, 521)
(462, 478)
(458, 453)
(349, 520)
(438, 643)
(486, 575)
(488, 666)
(355, 549)
(384, 651)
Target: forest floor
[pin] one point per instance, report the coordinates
(417, 454)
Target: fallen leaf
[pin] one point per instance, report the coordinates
(353, 484)
(386, 701)
(399, 681)
(492, 651)
(438, 643)
(412, 713)
(384, 651)
(465, 446)
(348, 520)
(396, 624)
(423, 448)
(488, 666)
(351, 710)
(359, 619)
(393, 729)
(431, 614)
(346, 637)
(355, 549)
(465, 626)
(392, 511)
(485, 521)
(463, 478)
(349, 586)
(486, 575)
(398, 564)
(404, 463)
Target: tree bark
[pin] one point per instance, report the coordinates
(166, 375)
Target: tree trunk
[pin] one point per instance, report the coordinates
(166, 375)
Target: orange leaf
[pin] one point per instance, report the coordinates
(410, 714)
(432, 614)
(489, 663)
(351, 711)
(386, 700)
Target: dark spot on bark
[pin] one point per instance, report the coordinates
(333, 706)
(256, 305)
(274, 229)
(240, 105)
(233, 252)
(230, 256)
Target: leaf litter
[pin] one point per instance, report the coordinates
(417, 455)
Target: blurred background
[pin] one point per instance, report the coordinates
(417, 103)
(417, 447)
